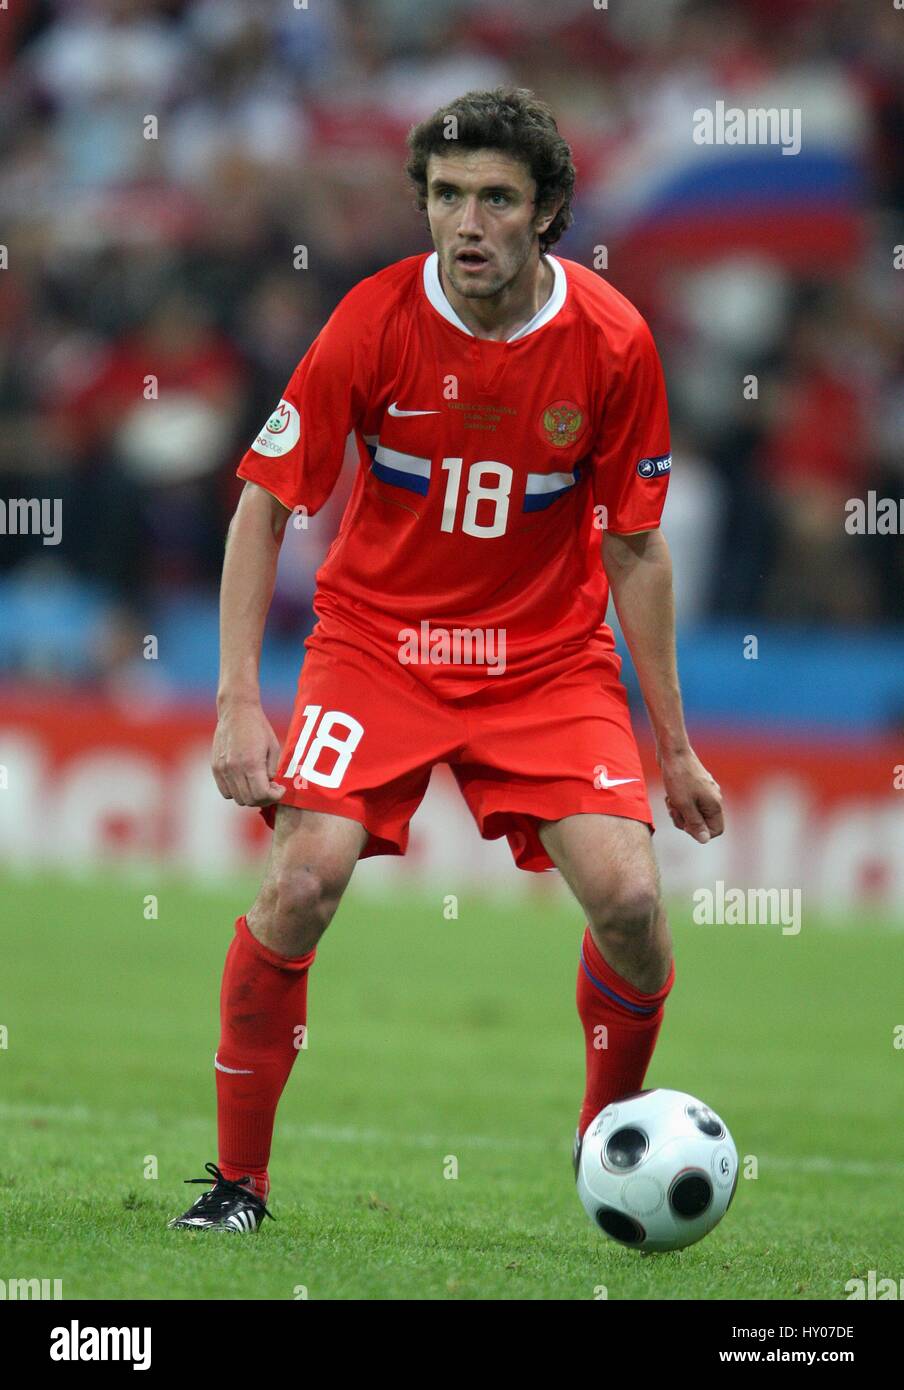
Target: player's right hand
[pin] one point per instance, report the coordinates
(245, 756)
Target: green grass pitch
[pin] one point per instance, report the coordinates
(431, 1040)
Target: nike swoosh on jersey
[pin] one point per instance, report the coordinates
(605, 781)
(394, 410)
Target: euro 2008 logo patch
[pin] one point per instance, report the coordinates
(654, 467)
(280, 433)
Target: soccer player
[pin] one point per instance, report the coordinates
(511, 426)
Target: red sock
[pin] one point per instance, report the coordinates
(263, 1011)
(617, 1059)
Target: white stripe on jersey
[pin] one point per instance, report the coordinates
(403, 463)
(538, 483)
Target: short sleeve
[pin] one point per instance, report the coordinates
(298, 454)
(630, 459)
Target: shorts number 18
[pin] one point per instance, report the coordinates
(324, 738)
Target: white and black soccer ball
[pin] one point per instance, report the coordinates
(657, 1170)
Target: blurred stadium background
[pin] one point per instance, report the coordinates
(208, 256)
(205, 261)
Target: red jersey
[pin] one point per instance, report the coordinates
(488, 470)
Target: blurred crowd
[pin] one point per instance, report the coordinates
(161, 164)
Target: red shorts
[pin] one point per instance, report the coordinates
(367, 730)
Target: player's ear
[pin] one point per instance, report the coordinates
(546, 215)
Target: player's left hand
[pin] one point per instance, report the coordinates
(692, 796)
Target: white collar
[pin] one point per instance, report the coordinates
(437, 296)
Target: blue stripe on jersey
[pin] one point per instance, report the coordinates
(545, 488)
(610, 993)
(401, 470)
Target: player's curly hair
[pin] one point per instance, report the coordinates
(510, 119)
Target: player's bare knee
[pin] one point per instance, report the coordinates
(625, 914)
(294, 908)
(306, 897)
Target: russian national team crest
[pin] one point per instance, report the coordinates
(280, 433)
(562, 423)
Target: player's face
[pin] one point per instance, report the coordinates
(483, 219)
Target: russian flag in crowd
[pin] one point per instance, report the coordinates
(778, 171)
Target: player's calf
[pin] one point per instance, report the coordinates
(263, 1005)
(625, 971)
(624, 977)
(621, 1024)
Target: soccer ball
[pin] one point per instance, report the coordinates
(657, 1170)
